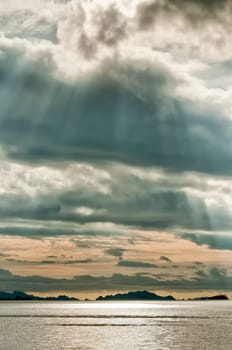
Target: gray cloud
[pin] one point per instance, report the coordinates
(193, 11)
(67, 262)
(165, 258)
(158, 138)
(136, 264)
(130, 198)
(162, 209)
(117, 252)
(50, 262)
(84, 244)
(95, 31)
(3, 255)
(214, 280)
(196, 28)
(108, 29)
(198, 263)
(112, 26)
(213, 241)
(37, 233)
(12, 260)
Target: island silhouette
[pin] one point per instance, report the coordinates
(138, 295)
(17, 295)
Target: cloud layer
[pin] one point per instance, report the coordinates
(213, 280)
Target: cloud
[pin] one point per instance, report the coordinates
(116, 118)
(27, 24)
(84, 200)
(214, 280)
(194, 11)
(3, 255)
(136, 264)
(188, 20)
(147, 122)
(213, 241)
(89, 28)
(66, 262)
(49, 262)
(138, 130)
(117, 252)
(126, 197)
(88, 230)
(164, 209)
(99, 30)
(165, 258)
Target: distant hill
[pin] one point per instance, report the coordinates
(215, 297)
(139, 295)
(17, 295)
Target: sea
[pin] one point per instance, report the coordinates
(175, 325)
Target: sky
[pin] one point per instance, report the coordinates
(116, 146)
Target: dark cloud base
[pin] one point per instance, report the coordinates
(214, 279)
(220, 242)
(102, 120)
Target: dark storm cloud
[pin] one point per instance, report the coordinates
(136, 264)
(213, 241)
(214, 279)
(118, 124)
(142, 209)
(161, 209)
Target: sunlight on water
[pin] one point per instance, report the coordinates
(117, 305)
(115, 325)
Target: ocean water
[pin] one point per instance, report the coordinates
(116, 325)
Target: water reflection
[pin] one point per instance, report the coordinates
(115, 325)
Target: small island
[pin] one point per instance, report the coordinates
(214, 297)
(139, 295)
(17, 295)
(145, 295)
